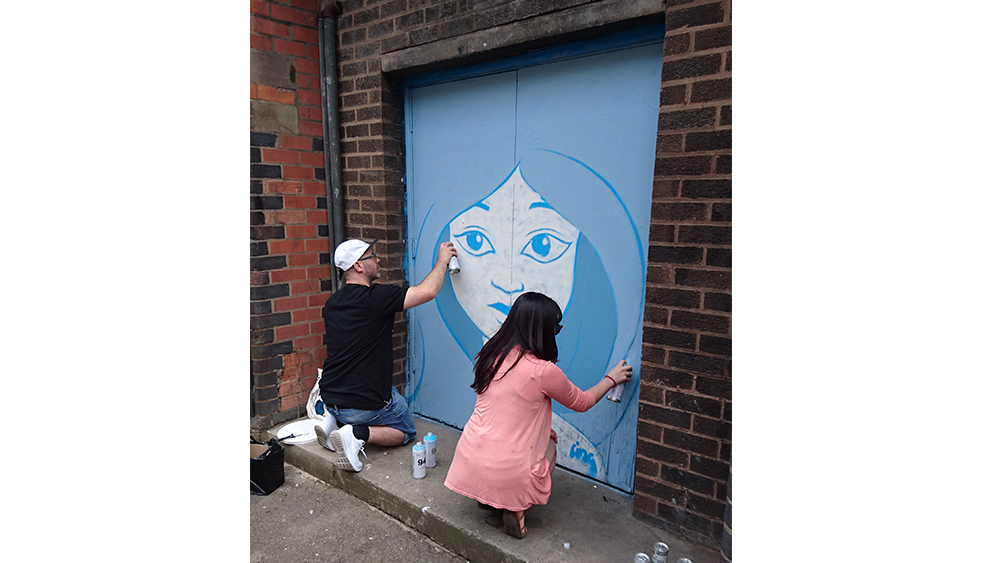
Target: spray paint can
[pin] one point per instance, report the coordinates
(660, 551)
(616, 393)
(683, 560)
(431, 443)
(419, 461)
(641, 558)
(453, 266)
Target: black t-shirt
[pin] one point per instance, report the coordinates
(357, 372)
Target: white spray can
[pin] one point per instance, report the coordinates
(617, 392)
(660, 551)
(419, 461)
(453, 265)
(431, 443)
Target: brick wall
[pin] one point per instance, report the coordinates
(685, 413)
(289, 259)
(685, 409)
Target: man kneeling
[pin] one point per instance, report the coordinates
(356, 386)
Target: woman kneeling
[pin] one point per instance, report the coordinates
(507, 451)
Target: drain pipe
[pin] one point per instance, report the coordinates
(331, 133)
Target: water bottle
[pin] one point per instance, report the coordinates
(431, 443)
(419, 461)
(660, 551)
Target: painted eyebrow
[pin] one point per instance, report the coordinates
(481, 205)
(542, 204)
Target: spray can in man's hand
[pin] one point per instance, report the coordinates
(453, 265)
(617, 392)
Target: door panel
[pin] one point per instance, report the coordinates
(542, 177)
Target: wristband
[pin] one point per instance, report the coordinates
(613, 383)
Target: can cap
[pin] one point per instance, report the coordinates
(418, 446)
(430, 437)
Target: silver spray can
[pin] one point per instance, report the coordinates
(616, 393)
(683, 560)
(641, 558)
(419, 461)
(660, 551)
(453, 266)
(431, 443)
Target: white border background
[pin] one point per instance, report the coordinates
(865, 297)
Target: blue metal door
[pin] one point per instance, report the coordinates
(540, 170)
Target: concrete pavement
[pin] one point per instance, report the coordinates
(582, 522)
(306, 519)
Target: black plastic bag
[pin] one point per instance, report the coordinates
(267, 466)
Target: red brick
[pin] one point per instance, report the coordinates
(288, 14)
(310, 128)
(268, 27)
(312, 51)
(302, 81)
(292, 401)
(275, 95)
(308, 259)
(290, 48)
(287, 388)
(312, 98)
(288, 332)
(278, 155)
(307, 66)
(316, 188)
(300, 231)
(318, 245)
(282, 187)
(307, 315)
(286, 246)
(288, 218)
(288, 304)
(308, 5)
(307, 343)
(297, 143)
(318, 273)
(260, 42)
(317, 328)
(298, 288)
(258, 7)
(287, 275)
(299, 172)
(312, 159)
(305, 34)
(300, 202)
(316, 217)
(253, 91)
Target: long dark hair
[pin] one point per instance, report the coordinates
(530, 326)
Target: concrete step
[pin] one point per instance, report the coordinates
(583, 520)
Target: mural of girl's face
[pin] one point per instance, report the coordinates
(508, 243)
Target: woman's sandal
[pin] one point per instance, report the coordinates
(513, 524)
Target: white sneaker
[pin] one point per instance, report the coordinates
(347, 448)
(322, 438)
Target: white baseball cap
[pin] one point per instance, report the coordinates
(349, 251)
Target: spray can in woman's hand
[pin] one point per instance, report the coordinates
(617, 392)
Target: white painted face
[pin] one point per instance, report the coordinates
(509, 243)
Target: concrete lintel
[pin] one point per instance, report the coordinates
(502, 41)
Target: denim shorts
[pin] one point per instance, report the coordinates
(394, 415)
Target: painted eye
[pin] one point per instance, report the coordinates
(475, 242)
(544, 247)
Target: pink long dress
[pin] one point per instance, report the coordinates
(500, 458)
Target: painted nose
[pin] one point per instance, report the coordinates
(511, 291)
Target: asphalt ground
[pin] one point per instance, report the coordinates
(306, 520)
